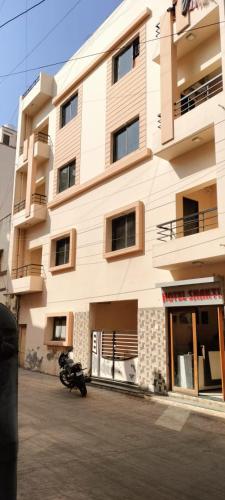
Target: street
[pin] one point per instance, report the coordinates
(113, 446)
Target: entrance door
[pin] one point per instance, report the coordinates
(191, 217)
(22, 344)
(184, 359)
(115, 355)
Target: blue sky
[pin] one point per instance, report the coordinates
(20, 37)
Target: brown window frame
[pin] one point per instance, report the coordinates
(134, 47)
(64, 105)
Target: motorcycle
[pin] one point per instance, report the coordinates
(72, 374)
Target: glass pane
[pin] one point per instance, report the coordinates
(67, 113)
(124, 62)
(118, 233)
(57, 332)
(120, 148)
(183, 350)
(133, 136)
(63, 179)
(72, 174)
(59, 329)
(130, 225)
(63, 332)
(62, 251)
(73, 106)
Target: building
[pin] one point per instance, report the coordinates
(118, 245)
(7, 165)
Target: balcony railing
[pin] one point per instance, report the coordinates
(19, 206)
(28, 270)
(190, 224)
(41, 199)
(31, 86)
(42, 137)
(198, 96)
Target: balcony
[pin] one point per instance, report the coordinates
(41, 146)
(27, 279)
(193, 239)
(206, 16)
(202, 93)
(37, 94)
(192, 127)
(38, 211)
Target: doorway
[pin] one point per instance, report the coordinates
(115, 340)
(197, 351)
(22, 344)
(191, 216)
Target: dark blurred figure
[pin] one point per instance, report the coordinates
(8, 403)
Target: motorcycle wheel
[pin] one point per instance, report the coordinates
(64, 380)
(83, 391)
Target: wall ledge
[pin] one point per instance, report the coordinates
(126, 163)
(110, 48)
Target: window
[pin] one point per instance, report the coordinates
(125, 60)
(62, 251)
(69, 110)
(123, 231)
(6, 139)
(66, 176)
(126, 140)
(59, 328)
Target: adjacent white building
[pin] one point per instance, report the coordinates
(7, 164)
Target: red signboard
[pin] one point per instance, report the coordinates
(192, 296)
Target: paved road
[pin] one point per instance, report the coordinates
(111, 446)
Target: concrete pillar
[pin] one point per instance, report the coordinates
(168, 77)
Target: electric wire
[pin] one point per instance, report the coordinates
(39, 43)
(132, 186)
(109, 51)
(21, 14)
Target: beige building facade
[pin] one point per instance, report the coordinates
(118, 244)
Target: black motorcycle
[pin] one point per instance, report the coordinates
(72, 374)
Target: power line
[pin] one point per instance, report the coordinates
(21, 14)
(124, 188)
(104, 52)
(40, 42)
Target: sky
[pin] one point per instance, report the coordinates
(49, 33)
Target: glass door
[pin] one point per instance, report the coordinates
(184, 359)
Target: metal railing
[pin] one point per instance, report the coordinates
(19, 206)
(31, 86)
(41, 136)
(190, 224)
(198, 96)
(28, 270)
(41, 199)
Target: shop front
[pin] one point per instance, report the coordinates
(195, 311)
